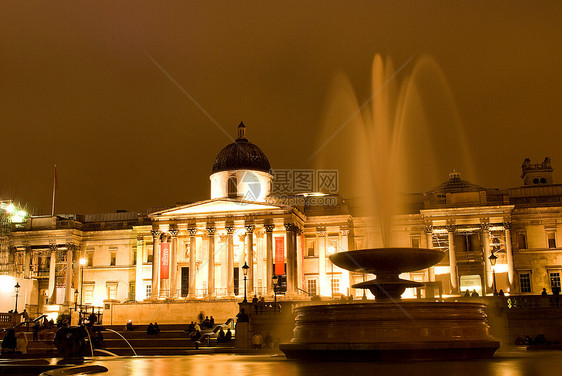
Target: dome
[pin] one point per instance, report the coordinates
(455, 185)
(241, 155)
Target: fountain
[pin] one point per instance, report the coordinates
(389, 328)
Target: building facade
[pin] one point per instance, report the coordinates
(199, 251)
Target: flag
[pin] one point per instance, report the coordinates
(55, 185)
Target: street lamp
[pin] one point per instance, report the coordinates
(245, 270)
(275, 281)
(493, 258)
(76, 300)
(17, 288)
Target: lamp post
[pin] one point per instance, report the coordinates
(76, 300)
(76, 305)
(17, 288)
(245, 270)
(275, 281)
(493, 258)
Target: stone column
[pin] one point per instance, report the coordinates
(250, 244)
(52, 293)
(27, 263)
(299, 260)
(211, 262)
(429, 239)
(155, 263)
(174, 264)
(192, 293)
(241, 261)
(139, 291)
(269, 256)
(229, 261)
(321, 235)
(485, 227)
(509, 253)
(68, 284)
(346, 277)
(452, 257)
(290, 231)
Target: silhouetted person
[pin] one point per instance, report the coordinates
(25, 315)
(36, 329)
(129, 326)
(242, 316)
(206, 322)
(540, 339)
(228, 335)
(150, 329)
(467, 294)
(268, 341)
(211, 322)
(9, 342)
(501, 293)
(93, 318)
(221, 336)
(544, 293)
(156, 328)
(474, 294)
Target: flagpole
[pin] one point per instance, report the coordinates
(54, 192)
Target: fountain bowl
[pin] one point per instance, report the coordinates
(387, 260)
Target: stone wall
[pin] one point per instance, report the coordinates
(168, 312)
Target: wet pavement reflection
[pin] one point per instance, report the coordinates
(505, 364)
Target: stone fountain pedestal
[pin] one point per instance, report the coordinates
(390, 329)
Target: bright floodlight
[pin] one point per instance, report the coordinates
(82, 261)
(10, 208)
(331, 249)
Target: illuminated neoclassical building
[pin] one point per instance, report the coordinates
(196, 252)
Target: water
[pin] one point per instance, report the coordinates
(406, 136)
(507, 364)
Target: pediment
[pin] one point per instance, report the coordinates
(217, 206)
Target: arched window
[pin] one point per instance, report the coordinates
(232, 186)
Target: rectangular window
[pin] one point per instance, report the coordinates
(522, 240)
(555, 280)
(112, 291)
(335, 285)
(525, 282)
(90, 258)
(134, 257)
(551, 236)
(311, 285)
(150, 255)
(88, 295)
(132, 288)
(415, 241)
(112, 258)
(148, 290)
(310, 248)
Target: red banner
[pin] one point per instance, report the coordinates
(164, 260)
(279, 256)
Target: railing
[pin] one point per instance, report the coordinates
(266, 308)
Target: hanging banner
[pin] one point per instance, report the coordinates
(164, 260)
(279, 256)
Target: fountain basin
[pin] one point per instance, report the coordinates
(391, 331)
(387, 260)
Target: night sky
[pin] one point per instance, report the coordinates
(94, 87)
